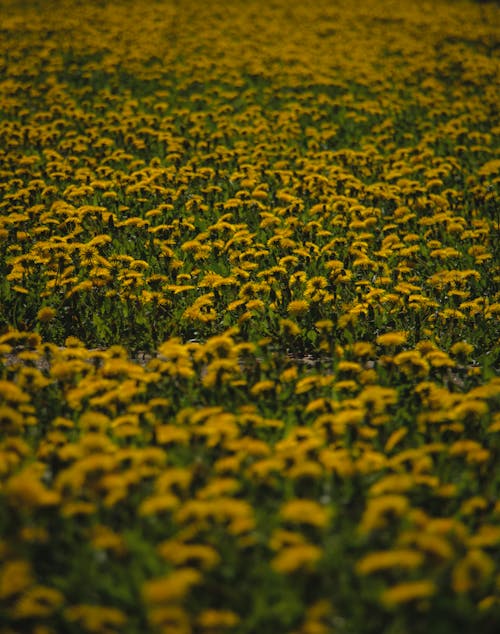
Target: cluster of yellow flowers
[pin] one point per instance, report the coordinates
(249, 317)
(187, 446)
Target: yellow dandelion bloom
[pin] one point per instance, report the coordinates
(180, 554)
(298, 307)
(395, 438)
(462, 349)
(158, 504)
(363, 349)
(263, 387)
(412, 364)
(472, 571)
(11, 393)
(10, 418)
(26, 491)
(380, 510)
(46, 314)
(172, 588)
(217, 620)
(95, 618)
(407, 592)
(37, 602)
(391, 339)
(103, 538)
(201, 310)
(297, 557)
(305, 512)
(170, 619)
(15, 577)
(389, 559)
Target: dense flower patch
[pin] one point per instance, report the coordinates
(249, 317)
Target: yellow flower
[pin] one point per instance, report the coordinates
(472, 571)
(10, 418)
(298, 307)
(180, 554)
(462, 349)
(408, 591)
(95, 619)
(289, 328)
(363, 349)
(46, 314)
(158, 504)
(37, 602)
(389, 559)
(20, 289)
(15, 577)
(305, 512)
(391, 339)
(469, 410)
(297, 557)
(412, 364)
(11, 393)
(215, 620)
(263, 387)
(172, 588)
(169, 619)
(380, 510)
(103, 538)
(26, 491)
(167, 434)
(202, 309)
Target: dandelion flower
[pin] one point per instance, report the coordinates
(407, 592)
(390, 339)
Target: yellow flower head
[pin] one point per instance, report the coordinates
(298, 307)
(391, 339)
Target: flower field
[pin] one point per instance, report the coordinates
(249, 317)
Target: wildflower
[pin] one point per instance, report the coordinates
(171, 619)
(171, 588)
(363, 349)
(315, 287)
(295, 558)
(298, 307)
(202, 309)
(306, 512)
(46, 314)
(10, 419)
(412, 364)
(95, 618)
(263, 387)
(289, 328)
(180, 554)
(217, 620)
(395, 438)
(37, 602)
(472, 571)
(25, 490)
(15, 577)
(389, 559)
(103, 538)
(407, 592)
(391, 339)
(221, 346)
(462, 349)
(289, 374)
(470, 410)
(158, 504)
(379, 510)
(11, 393)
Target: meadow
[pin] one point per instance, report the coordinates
(249, 317)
